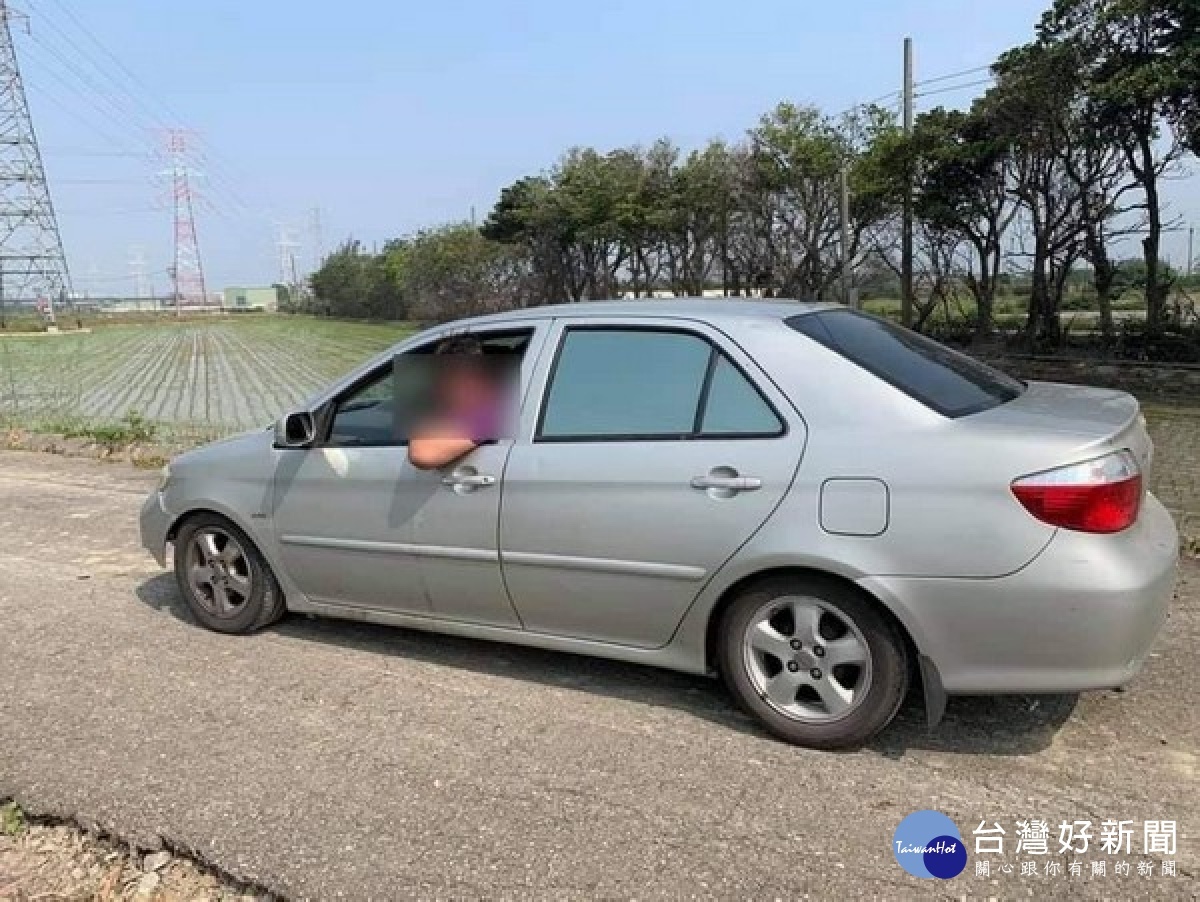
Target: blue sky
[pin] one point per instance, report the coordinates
(388, 116)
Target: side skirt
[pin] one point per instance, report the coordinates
(668, 657)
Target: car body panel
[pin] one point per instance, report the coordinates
(345, 526)
(232, 477)
(1083, 615)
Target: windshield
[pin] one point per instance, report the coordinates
(944, 380)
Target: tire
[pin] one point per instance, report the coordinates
(239, 595)
(813, 660)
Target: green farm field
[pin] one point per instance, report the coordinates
(190, 380)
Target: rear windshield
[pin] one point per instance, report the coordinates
(951, 383)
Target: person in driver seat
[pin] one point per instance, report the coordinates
(468, 406)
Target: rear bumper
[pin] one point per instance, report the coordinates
(1083, 615)
(154, 523)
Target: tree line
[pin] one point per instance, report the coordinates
(1060, 163)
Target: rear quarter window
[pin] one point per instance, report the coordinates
(942, 379)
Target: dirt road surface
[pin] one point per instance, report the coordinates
(327, 760)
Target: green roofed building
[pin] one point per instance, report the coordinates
(264, 299)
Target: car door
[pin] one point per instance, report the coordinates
(344, 510)
(357, 524)
(656, 450)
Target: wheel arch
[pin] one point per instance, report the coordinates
(922, 669)
(257, 530)
(201, 508)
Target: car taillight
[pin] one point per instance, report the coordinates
(1102, 495)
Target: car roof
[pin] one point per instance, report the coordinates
(711, 310)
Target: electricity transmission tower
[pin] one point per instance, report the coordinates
(137, 271)
(187, 272)
(33, 267)
(318, 240)
(287, 245)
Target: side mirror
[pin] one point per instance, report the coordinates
(295, 430)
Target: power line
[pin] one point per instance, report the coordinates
(97, 92)
(93, 88)
(951, 76)
(143, 211)
(56, 152)
(962, 87)
(897, 95)
(100, 126)
(138, 102)
(90, 34)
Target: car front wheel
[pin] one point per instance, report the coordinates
(225, 580)
(816, 662)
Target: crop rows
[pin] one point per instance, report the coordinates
(195, 380)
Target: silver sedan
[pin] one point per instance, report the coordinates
(815, 504)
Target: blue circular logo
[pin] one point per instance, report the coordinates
(927, 844)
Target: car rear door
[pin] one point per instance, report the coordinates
(653, 449)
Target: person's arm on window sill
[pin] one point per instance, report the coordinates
(436, 447)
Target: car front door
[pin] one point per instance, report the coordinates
(656, 450)
(357, 524)
(344, 510)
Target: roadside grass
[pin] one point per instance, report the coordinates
(132, 428)
(12, 819)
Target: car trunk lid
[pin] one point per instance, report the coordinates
(1086, 421)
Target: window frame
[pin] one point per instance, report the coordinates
(715, 354)
(328, 410)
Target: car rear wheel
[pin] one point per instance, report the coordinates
(225, 580)
(816, 662)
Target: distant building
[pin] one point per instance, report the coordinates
(707, 293)
(264, 299)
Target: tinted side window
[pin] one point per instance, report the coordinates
(734, 406)
(365, 417)
(648, 384)
(942, 379)
(610, 383)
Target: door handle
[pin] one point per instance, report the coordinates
(469, 481)
(727, 483)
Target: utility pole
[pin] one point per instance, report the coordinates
(1191, 259)
(33, 267)
(845, 186)
(906, 238)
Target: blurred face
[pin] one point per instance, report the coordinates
(465, 386)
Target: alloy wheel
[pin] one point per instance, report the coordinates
(218, 572)
(806, 659)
